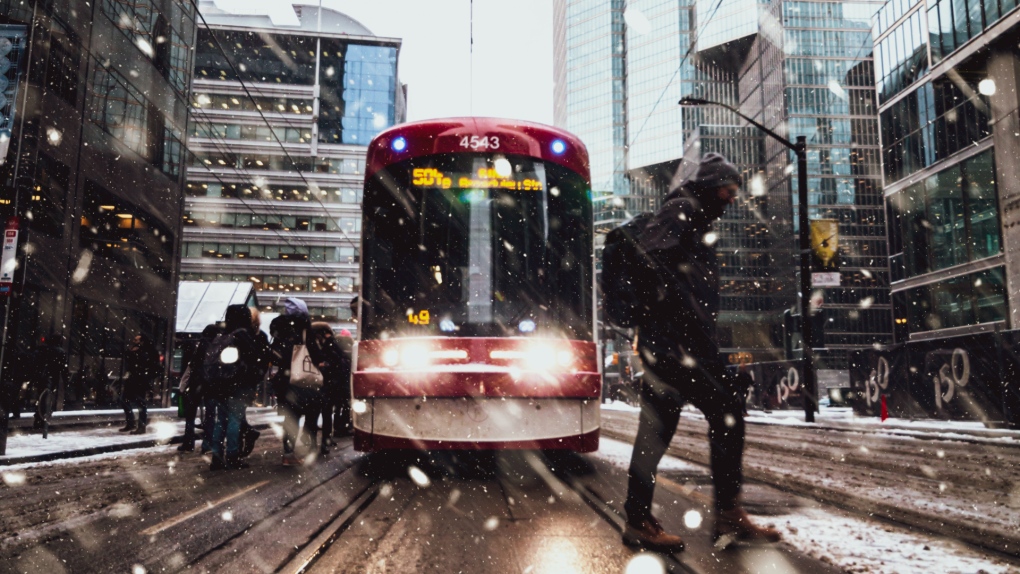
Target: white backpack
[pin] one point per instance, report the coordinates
(303, 372)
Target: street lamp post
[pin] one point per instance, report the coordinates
(807, 332)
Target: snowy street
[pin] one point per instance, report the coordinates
(152, 509)
(954, 480)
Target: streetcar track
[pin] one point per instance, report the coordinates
(883, 512)
(351, 464)
(305, 557)
(555, 478)
(613, 518)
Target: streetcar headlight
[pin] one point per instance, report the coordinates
(391, 357)
(414, 356)
(565, 358)
(540, 358)
(359, 407)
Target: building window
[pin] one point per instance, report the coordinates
(952, 22)
(114, 229)
(948, 219)
(158, 36)
(967, 300)
(49, 195)
(119, 109)
(257, 56)
(370, 78)
(935, 121)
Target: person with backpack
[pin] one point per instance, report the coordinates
(141, 366)
(335, 366)
(664, 282)
(291, 338)
(230, 370)
(191, 389)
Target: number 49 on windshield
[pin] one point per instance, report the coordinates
(480, 142)
(420, 318)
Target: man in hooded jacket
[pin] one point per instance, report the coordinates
(676, 340)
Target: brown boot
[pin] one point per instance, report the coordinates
(735, 526)
(648, 534)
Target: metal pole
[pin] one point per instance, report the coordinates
(800, 148)
(806, 328)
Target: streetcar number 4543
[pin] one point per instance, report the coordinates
(480, 142)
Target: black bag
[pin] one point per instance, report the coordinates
(223, 367)
(624, 267)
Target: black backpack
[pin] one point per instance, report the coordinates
(220, 378)
(625, 268)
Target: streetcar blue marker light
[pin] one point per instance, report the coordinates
(447, 326)
(398, 144)
(527, 326)
(558, 147)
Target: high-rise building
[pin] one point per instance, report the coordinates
(805, 68)
(948, 87)
(281, 113)
(93, 116)
(590, 85)
(800, 68)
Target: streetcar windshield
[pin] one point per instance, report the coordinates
(477, 245)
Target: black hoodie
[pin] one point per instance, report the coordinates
(683, 296)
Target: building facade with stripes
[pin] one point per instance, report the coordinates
(282, 107)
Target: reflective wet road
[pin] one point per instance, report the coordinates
(511, 512)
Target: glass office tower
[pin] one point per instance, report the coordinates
(281, 116)
(93, 108)
(807, 70)
(947, 78)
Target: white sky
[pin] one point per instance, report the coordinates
(512, 54)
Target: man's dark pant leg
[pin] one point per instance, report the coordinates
(143, 411)
(724, 412)
(660, 413)
(190, 411)
(129, 415)
(208, 423)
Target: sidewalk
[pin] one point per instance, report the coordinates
(844, 419)
(26, 448)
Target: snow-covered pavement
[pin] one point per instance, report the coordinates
(88, 441)
(944, 480)
(854, 543)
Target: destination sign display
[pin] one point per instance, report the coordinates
(483, 178)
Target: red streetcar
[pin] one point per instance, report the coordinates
(477, 307)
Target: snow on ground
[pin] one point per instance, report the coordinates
(844, 418)
(855, 544)
(861, 545)
(618, 453)
(92, 413)
(21, 445)
(13, 474)
(619, 406)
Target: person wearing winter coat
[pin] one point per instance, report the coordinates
(192, 393)
(677, 345)
(51, 373)
(290, 329)
(229, 397)
(141, 367)
(335, 367)
(342, 424)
